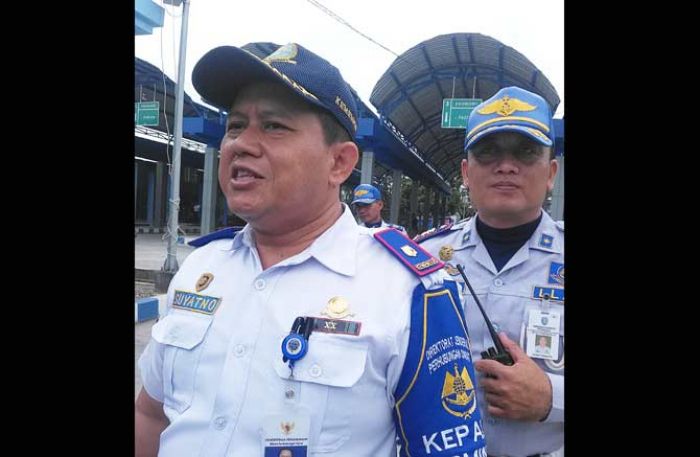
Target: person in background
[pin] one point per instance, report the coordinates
(368, 203)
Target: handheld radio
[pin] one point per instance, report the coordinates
(497, 353)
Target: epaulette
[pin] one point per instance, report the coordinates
(414, 257)
(432, 232)
(228, 232)
(560, 225)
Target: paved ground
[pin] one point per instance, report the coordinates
(151, 251)
(144, 289)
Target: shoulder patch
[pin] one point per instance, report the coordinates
(433, 232)
(228, 232)
(436, 400)
(414, 257)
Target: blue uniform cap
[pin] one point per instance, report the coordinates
(511, 109)
(223, 71)
(365, 194)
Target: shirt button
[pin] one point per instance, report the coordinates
(239, 350)
(220, 423)
(315, 371)
(498, 282)
(289, 393)
(260, 284)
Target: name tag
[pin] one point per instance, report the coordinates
(194, 302)
(337, 326)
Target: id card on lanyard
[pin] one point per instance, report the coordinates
(542, 331)
(286, 432)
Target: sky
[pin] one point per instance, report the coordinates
(535, 28)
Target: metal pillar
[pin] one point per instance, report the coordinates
(136, 187)
(413, 204)
(556, 210)
(158, 219)
(209, 187)
(395, 197)
(150, 198)
(367, 162)
(171, 265)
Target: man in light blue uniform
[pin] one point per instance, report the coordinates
(368, 203)
(279, 336)
(513, 256)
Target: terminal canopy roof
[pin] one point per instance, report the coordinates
(409, 94)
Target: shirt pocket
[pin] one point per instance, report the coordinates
(182, 336)
(326, 379)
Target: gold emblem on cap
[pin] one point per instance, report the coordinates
(409, 251)
(337, 308)
(203, 282)
(283, 54)
(361, 192)
(446, 253)
(506, 106)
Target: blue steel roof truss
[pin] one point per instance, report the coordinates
(430, 70)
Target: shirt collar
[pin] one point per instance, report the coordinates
(380, 223)
(336, 247)
(468, 235)
(544, 238)
(244, 238)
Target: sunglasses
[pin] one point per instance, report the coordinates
(527, 154)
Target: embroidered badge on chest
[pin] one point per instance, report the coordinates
(194, 302)
(203, 282)
(546, 241)
(548, 293)
(446, 253)
(556, 273)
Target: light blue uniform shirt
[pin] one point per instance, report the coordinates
(219, 374)
(505, 295)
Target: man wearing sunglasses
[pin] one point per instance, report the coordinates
(513, 255)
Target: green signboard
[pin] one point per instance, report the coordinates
(455, 111)
(147, 113)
